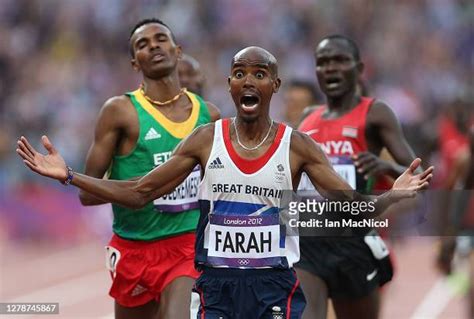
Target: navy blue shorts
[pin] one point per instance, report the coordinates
(223, 293)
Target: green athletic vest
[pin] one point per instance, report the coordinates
(171, 214)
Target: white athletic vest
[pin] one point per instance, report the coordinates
(240, 201)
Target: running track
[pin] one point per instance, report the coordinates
(76, 278)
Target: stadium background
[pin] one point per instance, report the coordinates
(60, 60)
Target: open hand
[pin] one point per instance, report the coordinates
(50, 165)
(408, 184)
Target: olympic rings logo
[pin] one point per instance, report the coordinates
(243, 262)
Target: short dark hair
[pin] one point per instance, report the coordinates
(145, 22)
(352, 44)
(307, 85)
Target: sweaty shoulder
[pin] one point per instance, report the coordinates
(205, 131)
(119, 110)
(118, 102)
(201, 137)
(214, 111)
(304, 146)
(379, 113)
(199, 143)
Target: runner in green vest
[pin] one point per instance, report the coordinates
(151, 255)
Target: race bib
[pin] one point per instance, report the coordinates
(376, 245)
(112, 257)
(244, 241)
(184, 197)
(342, 165)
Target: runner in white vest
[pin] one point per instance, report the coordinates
(245, 257)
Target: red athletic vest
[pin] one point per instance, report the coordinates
(340, 138)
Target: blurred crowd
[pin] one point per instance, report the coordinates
(61, 59)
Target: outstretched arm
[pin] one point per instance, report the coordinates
(116, 114)
(134, 194)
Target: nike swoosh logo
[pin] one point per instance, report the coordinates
(312, 131)
(372, 275)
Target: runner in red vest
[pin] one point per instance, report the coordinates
(352, 130)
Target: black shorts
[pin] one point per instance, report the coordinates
(223, 293)
(349, 267)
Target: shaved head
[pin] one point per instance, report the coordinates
(190, 74)
(256, 56)
(191, 61)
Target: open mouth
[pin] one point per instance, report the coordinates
(249, 102)
(333, 83)
(157, 57)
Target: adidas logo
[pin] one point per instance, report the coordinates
(216, 164)
(138, 290)
(152, 134)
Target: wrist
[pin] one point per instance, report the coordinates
(69, 176)
(391, 196)
(394, 170)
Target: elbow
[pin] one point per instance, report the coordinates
(86, 202)
(84, 199)
(138, 203)
(137, 197)
(143, 202)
